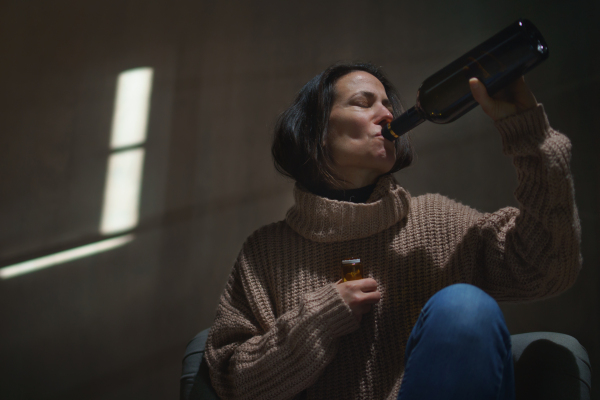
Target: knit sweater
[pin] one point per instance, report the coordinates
(282, 329)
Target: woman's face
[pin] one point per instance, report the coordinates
(360, 110)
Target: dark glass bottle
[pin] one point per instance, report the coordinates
(445, 96)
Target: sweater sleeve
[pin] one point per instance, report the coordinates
(252, 354)
(533, 251)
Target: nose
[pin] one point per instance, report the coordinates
(385, 116)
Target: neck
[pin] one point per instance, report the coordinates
(356, 179)
(360, 195)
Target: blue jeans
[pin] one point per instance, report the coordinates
(460, 348)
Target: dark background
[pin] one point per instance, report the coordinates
(115, 325)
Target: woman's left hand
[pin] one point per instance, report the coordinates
(513, 99)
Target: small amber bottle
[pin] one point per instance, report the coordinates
(352, 269)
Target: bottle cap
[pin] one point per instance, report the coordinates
(354, 261)
(404, 123)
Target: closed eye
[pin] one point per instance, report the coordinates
(366, 99)
(363, 99)
(362, 104)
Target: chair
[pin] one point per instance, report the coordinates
(195, 381)
(548, 366)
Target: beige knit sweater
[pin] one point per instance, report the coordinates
(283, 331)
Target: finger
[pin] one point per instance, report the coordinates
(520, 84)
(524, 94)
(373, 299)
(367, 284)
(510, 92)
(370, 298)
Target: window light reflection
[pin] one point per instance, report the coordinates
(124, 173)
(64, 256)
(132, 102)
(122, 192)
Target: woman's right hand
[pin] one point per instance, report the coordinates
(360, 295)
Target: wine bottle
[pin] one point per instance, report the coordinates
(446, 96)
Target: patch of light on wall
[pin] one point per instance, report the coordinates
(122, 192)
(124, 175)
(132, 102)
(64, 256)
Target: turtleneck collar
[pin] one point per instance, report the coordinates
(360, 195)
(325, 220)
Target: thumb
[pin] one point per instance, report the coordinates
(480, 93)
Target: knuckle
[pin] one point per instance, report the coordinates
(356, 300)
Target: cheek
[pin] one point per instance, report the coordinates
(338, 148)
(351, 127)
(344, 149)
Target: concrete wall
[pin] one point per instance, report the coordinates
(114, 325)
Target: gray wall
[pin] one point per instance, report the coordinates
(114, 326)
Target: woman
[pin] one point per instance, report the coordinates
(425, 315)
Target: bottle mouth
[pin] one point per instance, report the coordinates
(404, 123)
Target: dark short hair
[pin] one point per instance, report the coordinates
(298, 150)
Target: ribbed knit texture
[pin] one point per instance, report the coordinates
(282, 328)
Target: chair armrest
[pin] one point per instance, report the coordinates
(551, 365)
(195, 380)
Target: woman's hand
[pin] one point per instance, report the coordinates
(513, 99)
(360, 295)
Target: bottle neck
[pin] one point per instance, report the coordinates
(404, 123)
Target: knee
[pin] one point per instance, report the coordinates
(466, 308)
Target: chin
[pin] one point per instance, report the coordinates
(385, 167)
(386, 160)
